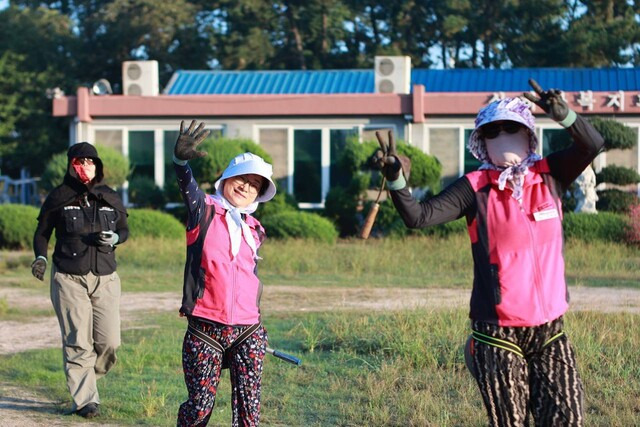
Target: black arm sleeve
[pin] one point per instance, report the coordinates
(122, 228)
(566, 165)
(43, 233)
(192, 195)
(452, 203)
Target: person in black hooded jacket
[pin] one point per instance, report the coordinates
(89, 219)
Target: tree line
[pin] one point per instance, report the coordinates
(67, 43)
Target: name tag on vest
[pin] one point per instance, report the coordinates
(546, 214)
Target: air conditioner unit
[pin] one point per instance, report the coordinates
(392, 74)
(140, 78)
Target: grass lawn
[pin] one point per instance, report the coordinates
(375, 369)
(147, 264)
(364, 369)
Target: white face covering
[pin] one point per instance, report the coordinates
(508, 149)
(237, 227)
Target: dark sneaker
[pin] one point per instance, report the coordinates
(89, 411)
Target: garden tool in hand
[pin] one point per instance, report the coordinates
(386, 159)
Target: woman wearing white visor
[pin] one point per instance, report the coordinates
(221, 293)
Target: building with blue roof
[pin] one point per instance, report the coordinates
(304, 117)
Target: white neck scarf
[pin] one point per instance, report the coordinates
(236, 226)
(513, 174)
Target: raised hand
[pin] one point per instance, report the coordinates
(188, 140)
(387, 159)
(549, 100)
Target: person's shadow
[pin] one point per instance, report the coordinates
(28, 404)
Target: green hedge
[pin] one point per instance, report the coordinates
(144, 193)
(148, 222)
(300, 225)
(618, 175)
(17, 225)
(616, 201)
(605, 226)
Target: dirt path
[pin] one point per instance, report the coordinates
(28, 408)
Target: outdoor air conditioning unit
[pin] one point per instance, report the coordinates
(392, 74)
(140, 78)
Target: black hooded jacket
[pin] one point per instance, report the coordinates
(78, 212)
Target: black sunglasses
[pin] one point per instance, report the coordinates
(493, 129)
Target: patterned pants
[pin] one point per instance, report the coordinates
(543, 380)
(202, 365)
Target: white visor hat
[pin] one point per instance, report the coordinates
(249, 163)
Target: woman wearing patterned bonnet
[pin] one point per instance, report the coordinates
(517, 352)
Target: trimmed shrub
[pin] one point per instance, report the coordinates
(606, 226)
(282, 202)
(220, 151)
(346, 204)
(296, 224)
(343, 208)
(389, 219)
(618, 175)
(17, 225)
(148, 222)
(616, 135)
(54, 172)
(116, 166)
(616, 201)
(144, 192)
(116, 169)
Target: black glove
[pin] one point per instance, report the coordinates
(188, 140)
(388, 160)
(38, 267)
(550, 101)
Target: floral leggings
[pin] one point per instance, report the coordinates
(202, 365)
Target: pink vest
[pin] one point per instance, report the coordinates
(231, 287)
(518, 251)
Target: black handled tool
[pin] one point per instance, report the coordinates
(284, 356)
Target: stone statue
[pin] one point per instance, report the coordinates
(585, 192)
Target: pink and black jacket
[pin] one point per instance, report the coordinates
(217, 286)
(517, 246)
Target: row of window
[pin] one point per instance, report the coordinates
(305, 159)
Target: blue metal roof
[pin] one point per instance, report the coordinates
(269, 82)
(185, 82)
(516, 80)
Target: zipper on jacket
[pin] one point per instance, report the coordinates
(233, 288)
(536, 266)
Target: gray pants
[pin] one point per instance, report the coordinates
(88, 311)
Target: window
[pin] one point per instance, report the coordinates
(369, 133)
(337, 141)
(305, 161)
(274, 142)
(444, 145)
(307, 154)
(141, 153)
(554, 140)
(109, 138)
(470, 163)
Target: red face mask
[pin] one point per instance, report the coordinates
(85, 169)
